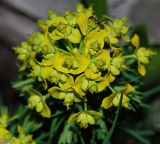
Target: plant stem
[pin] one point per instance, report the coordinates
(85, 106)
(111, 89)
(130, 56)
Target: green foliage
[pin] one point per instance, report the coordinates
(141, 30)
(100, 7)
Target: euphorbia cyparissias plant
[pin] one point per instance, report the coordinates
(75, 58)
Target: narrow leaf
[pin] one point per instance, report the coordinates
(110, 132)
(151, 92)
(137, 136)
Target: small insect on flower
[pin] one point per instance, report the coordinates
(94, 22)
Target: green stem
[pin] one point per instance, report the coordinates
(68, 48)
(70, 45)
(85, 106)
(111, 89)
(46, 96)
(23, 83)
(57, 114)
(81, 46)
(129, 56)
(61, 50)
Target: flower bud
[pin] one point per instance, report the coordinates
(33, 101)
(124, 30)
(93, 88)
(116, 101)
(84, 119)
(114, 70)
(143, 59)
(114, 40)
(68, 100)
(62, 95)
(4, 120)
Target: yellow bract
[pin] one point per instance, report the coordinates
(93, 43)
(85, 118)
(92, 72)
(68, 95)
(5, 136)
(102, 60)
(142, 55)
(23, 138)
(81, 85)
(70, 63)
(135, 40)
(36, 101)
(103, 83)
(59, 28)
(116, 64)
(82, 20)
(141, 69)
(114, 98)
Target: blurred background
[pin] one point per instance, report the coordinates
(18, 20)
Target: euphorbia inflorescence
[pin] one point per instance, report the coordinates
(77, 57)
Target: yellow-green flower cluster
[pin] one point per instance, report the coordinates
(76, 56)
(7, 137)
